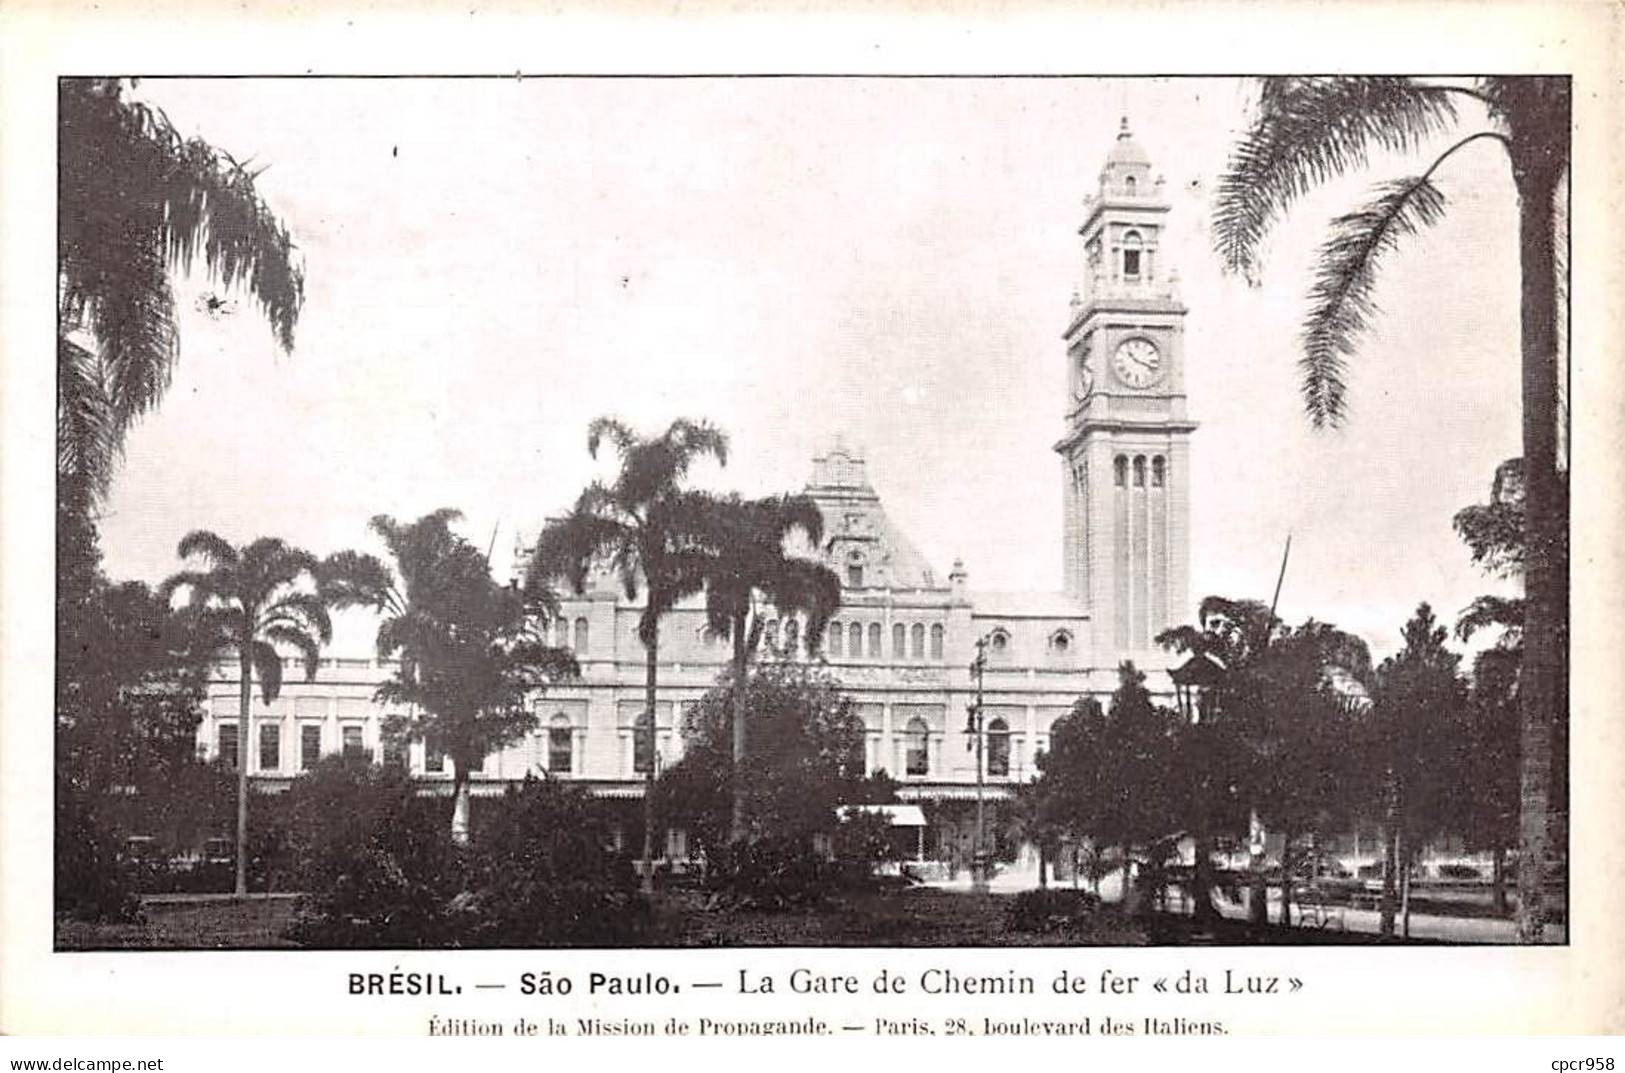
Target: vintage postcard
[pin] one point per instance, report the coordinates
(979, 544)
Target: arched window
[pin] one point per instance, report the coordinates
(560, 745)
(1131, 255)
(998, 747)
(998, 646)
(916, 738)
(874, 641)
(916, 637)
(854, 637)
(936, 641)
(1120, 470)
(1129, 184)
(1159, 471)
(771, 634)
(581, 637)
(898, 643)
(643, 743)
(1139, 471)
(854, 570)
(792, 635)
(835, 635)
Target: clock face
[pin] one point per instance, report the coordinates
(1137, 362)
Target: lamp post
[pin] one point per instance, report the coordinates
(974, 726)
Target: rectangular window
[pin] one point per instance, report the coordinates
(434, 761)
(270, 747)
(394, 751)
(310, 746)
(352, 742)
(228, 744)
(1131, 264)
(854, 577)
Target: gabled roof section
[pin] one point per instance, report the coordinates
(857, 531)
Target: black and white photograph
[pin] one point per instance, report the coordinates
(578, 529)
(724, 511)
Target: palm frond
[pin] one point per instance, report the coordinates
(1306, 131)
(1491, 612)
(304, 611)
(268, 668)
(87, 436)
(353, 579)
(214, 549)
(291, 635)
(1340, 301)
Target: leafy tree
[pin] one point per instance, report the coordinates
(133, 704)
(1072, 784)
(807, 758)
(1298, 704)
(1495, 534)
(249, 601)
(646, 528)
(471, 654)
(750, 565)
(1309, 130)
(1141, 787)
(135, 202)
(1414, 727)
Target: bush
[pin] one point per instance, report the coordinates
(1055, 909)
(386, 874)
(378, 860)
(773, 874)
(92, 882)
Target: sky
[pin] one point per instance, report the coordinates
(490, 264)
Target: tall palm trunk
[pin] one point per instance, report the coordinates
(651, 662)
(1537, 170)
(1390, 837)
(245, 691)
(1286, 877)
(461, 766)
(736, 828)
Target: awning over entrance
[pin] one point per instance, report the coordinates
(898, 815)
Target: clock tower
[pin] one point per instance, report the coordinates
(1125, 455)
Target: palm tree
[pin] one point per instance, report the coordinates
(250, 600)
(749, 565)
(135, 202)
(1309, 130)
(646, 528)
(470, 653)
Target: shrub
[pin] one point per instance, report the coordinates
(538, 872)
(375, 857)
(1054, 909)
(772, 874)
(92, 882)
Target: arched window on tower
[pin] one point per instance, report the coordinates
(898, 642)
(998, 747)
(916, 637)
(1159, 471)
(854, 570)
(1128, 185)
(1120, 471)
(916, 738)
(936, 641)
(874, 641)
(1139, 471)
(581, 637)
(1132, 251)
(855, 640)
(560, 745)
